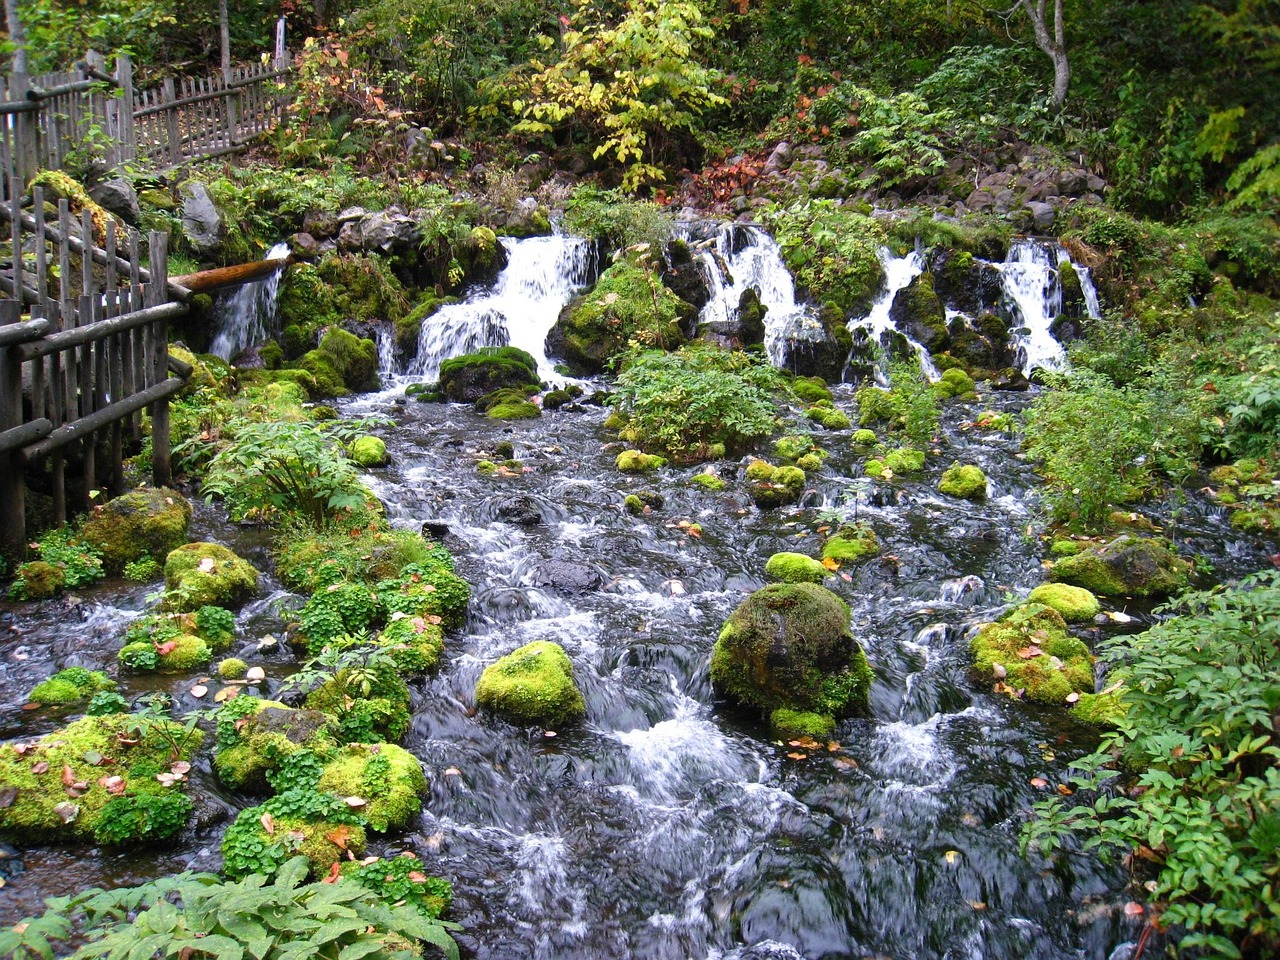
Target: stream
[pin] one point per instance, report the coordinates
(669, 825)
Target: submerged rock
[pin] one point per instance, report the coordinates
(565, 576)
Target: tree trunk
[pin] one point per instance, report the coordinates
(224, 37)
(17, 36)
(1053, 45)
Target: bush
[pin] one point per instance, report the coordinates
(1190, 779)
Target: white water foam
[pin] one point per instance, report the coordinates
(246, 317)
(1032, 294)
(899, 272)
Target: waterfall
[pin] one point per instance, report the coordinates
(1032, 296)
(246, 316)
(519, 310)
(898, 274)
(388, 362)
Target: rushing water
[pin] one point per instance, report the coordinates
(247, 315)
(669, 825)
(1032, 296)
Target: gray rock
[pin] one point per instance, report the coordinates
(320, 224)
(386, 231)
(779, 159)
(117, 196)
(304, 245)
(565, 576)
(349, 237)
(352, 213)
(201, 223)
(1043, 214)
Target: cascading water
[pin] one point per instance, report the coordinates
(898, 274)
(1032, 295)
(247, 316)
(519, 310)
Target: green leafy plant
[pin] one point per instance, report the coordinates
(403, 879)
(80, 562)
(833, 252)
(200, 914)
(1190, 779)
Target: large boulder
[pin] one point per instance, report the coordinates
(788, 646)
(117, 196)
(207, 574)
(918, 312)
(144, 523)
(202, 224)
(1029, 654)
(532, 685)
(468, 378)
(1128, 566)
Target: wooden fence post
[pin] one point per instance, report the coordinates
(156, 339)
(126, 135)
(13, 527)
(170, 94)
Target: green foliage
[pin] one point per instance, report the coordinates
(634, 87)
(898, 136)
(403, 879)
(685, 403)
(71, 685)
(616, 218)
(832, 251)
(133, 819)
(141, 571)
(80, 562)
(280, 918)
(1192, 773)
(106, 702)
(310, 558)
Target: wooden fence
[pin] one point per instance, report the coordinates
(89, 114)
(83, 351)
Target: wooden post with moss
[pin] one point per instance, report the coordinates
(156, 341)
(12, 488)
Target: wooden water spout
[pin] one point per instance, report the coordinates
(206, 281)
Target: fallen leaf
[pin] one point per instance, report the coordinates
(1133, 909)
(94, 758)
(417, 876)
(199, 690)
(268, 824)
(68, 776)
(180, 767)
(1073, 697)
(207, 565)
(1119, 617)
(32, 706)
(7, 796)
(999, 671)
(114, 785)
(166, 648)
(1026, 653)
(952, 856)
(332, 875)
(21, 749)
(226, 693)
(846, 578)
(798, 756)
(339, 837)
(67, 811)
(453, 772)
(831, 563)
(977, 904)
(1065, 790)
(846, 763)
(1039, 782)
(832, 746)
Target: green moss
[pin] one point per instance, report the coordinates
(342, 363)
(811, 389)
(1076, 604)
(796, 723)
(864, 437)
(247, 847)
(874, 405)
(965, 481)
(415, 643)
(633, 461)
(1029, 653)
(232, 668)
(514, 410)
(904, 460)
(256, 736)
(387, 777)
(873, 468)
(829, 417)
(1105, 709)
(810, 462)
(532, 685)
(954, 383)
(142, 524)
(1127, 566)
(772, 486)
(37, 580)
(791, 448)
(616, 421)
(368, 451)
(45, 806)
(708, 481)
(486, 467)
(72, 685)
(1066, 548)
(200, 574)
(187, 654)
(850, 543)
(370, 704)
(795, 568)
(633, 504)
(470, 377)
(788, 645)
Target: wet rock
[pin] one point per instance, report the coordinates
(1042, 214)
(523, 511)
(918, 312)
(349, 237)
(304, 246)
(1127, 566)
(568, 577)
(388, 231)
(10, 862)
(682, 277)
(532, 685)
(468, 378)
(201, 223)
(435, 529)
(1010, 380)
(320, 224)
(143, 523)
(117, 196)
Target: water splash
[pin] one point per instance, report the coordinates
(1032, 295)
(899, 272)
(388, 355)
(248, 315)
(519, 310)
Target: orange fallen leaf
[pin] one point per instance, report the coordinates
(1026, 653)
(332, 875)
(1065, 790)
(798, 756)
(830, 563)
(339, 837)
(1133, 909)
(268, 824)
(1039, 782)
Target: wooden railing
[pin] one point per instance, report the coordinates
(83, 352)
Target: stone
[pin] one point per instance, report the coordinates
(567, 577)
(788, 567)
(202, 224)
(472, 376)
(532, 685)
(1029, 653)
(202, 574)
(388, 231)
(1076, 604)
(1126, 566)
(1042, 214)
(304, 245)
(779, 159)
(143, 523)
(965, 481)
(368, 451)
(117, 196)
(919, 313)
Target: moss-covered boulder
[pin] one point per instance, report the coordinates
(100, 779)
(634, 461)
(795, 568)
(180, 653)
(829, 417)
(1105, 708)
(864, 437)
(954, 383)
(965, 481)
(811, 390)
(143, 523)
(1076, 604)
(850, 543)
(904, 460)
(37, 580)
(470, 377)
(788, 645)
(919, 313)
(1127, 566)
(1029, 653)
(794, 447)
(628, 303)
(415, 643)
(532, 685)
(256, 736)
(368, 451)
(72, 685)
(708, 481)
(341, 364)
(772, 486)
(510, 403)
(203, 574)
(232, 668)
(388, 778)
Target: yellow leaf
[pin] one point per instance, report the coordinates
(831, 563)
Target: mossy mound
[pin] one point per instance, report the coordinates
(532, 685)
(510, 403)
(772, 486)
(142, 524)
(96, 779)
(634, 461)
(175, 654)
(851, 542)
(791, 448)
(232, 668)
(796, 723)
(467, 378)
(626, 304)
(811, 390)
(965, 481)
(369, 704)
(206, 574)
(342, 363)
(256, 736)
(1030, 654)
(788, 646)
(874, 406)
(904, 460)
(708, 481)
(1127, 566)
(37, 580)
(1076, 604)
(1104, 709)
(416, 643)
(72, 685)
(262, 838)
(389, 779)
(864, 437)
(954, 383)
(368, 451)
(795, 568)
(829, 417)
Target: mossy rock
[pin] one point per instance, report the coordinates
(850, 543)
(627, 304)
(634, 461)
(797, 723)
(37, 580)
(864, 437)
(133, 809)
(232, 668)
(388, 778)
(1067, 548)
(772, 486)
(1107, 708)
(954, 383)
(368, 451)
(379, 710)
(708, 481)
(794, 446)
(532, 685)
(555, 399)
(904, 460)
(470, 377)
(1076, 604)
(415, 643)
(136, 525)
(874, 406)
(205, 375)
(1030, 654)
(342, 363)
(1127, 566)
(788, 646)
(829, 417)
(513, 409)
(257, 736)
(207, 574)
(795, 568)
(965, 481)
(72, 685)
(811, 389)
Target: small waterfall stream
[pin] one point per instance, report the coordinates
(899, 272)
(247, 315)
(1032, 295)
